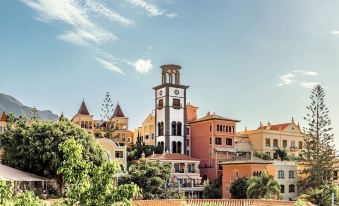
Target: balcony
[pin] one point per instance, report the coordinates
(191, 187)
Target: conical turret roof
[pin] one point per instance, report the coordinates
(118, 111)
(83, 108)
(3, 117)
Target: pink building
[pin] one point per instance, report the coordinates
(212, 142)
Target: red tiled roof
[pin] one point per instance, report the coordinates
(203, 202)
(276, 127)
(3, 117)
(171, 156)
(83, 109)
(213, 117)
(118, 111)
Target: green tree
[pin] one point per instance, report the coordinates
(322, 196)
(34, 113)
(239, 187)
(319, 152)
(34, 148)
(262, 187)
(262, 155)
(151, 177)
(91, 190)
(27, 199)
(136, 151)
(6, 192)
(107, 108)
(282, 153)
(214, 190)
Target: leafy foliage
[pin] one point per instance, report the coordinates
(239, 187)
(319, 151)
(262, 187)
(135, 152)
(152, 177)
(282, 154)
(6, 192)
(262, 155)
(34, 148)
(95, 189)
(214, 190)
(322, 196)
(27, 199)
(107, 107)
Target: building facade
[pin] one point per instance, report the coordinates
(170, 112)
(145, 134)
(212, 141)
(232, 170)
(84, 119)
(286, 176)
(3, 126)
(185, 172)
(114, 151)
(269, 138)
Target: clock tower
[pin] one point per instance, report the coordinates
(170, 111)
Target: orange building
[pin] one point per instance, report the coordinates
(212, 141)
(253, 166)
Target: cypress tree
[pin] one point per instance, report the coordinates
(319, 153)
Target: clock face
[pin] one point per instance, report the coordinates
(176, 92)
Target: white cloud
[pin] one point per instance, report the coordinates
(335, 32)
(151, 9)
(309, 85)
(286, 79)
(310, 73)
(83, 31)
(106, 12)
(143, 66)
(110, 66)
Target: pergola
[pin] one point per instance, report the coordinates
(22, 180)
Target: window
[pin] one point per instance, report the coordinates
(119, 154)
(146, 136)
(291, 188)
(282, 188)
(229, 129)
(268, 142)
(187, 142)
(284, 143)
(275, 143)
(217, 128)
(160, 103)
(218, 141)
(174, 147)
(223, 128)
(210, 164)
(210, 128)
(300, 144)
(236, 173)
(293, 144)
(281, 174)
(176, 103)
(233, 131)
(179, 128)
(210, 140)
(226, 128)
(174, 128)
(209, 152)
(229, 141)
(219, 165)
(187, 131)
(152, 135)
(291, 174)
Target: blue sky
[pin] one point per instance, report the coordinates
(250, 60)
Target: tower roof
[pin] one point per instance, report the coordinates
(83, 108)
(118, 111)
(3, 117)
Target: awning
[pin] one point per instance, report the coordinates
(223, 149)
(11, 174)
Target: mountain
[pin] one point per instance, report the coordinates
(9, 104)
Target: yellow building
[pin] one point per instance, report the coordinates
(120, 123)
(145, 133)
(273, 136)
(114, 151)
(84, 119)
(131, 139)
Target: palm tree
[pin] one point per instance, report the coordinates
(282, 153)
(321, 196)
(262, 187)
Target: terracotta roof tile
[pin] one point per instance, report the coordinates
(83, 109)
(276, 127)
(201, 202)
(118, 111)
(213, 117)
(171, 156)
(3, 117)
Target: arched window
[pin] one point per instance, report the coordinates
(179, 128)
(291, 188)
(174, 128)
(161, 129)
(86, 124)
(223, 128)
(162, 145)
(233, 129)
(217, 128)
(230, 129)
(82, 124)
(179, 145)
(174, 147)
(90, 125)
(291, 174)
(226, 128)
(281, 174)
